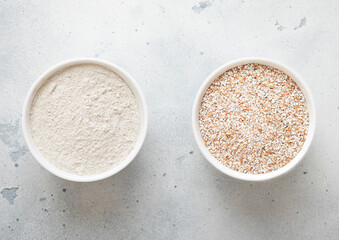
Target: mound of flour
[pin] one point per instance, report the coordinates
(85, 119)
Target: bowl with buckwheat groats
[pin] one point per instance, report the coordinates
(253, 119)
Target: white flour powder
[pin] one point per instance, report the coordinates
(85, 119)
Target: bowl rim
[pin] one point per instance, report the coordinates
(136, 90)
(196, 129)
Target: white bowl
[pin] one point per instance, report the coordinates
(27, 128)
(222, 167)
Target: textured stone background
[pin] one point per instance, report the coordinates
(169, 191)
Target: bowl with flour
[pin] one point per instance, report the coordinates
(253, 119)
(85, 119)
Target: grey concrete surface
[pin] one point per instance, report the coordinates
(169, 191)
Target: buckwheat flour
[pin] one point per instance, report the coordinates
(85, 119)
